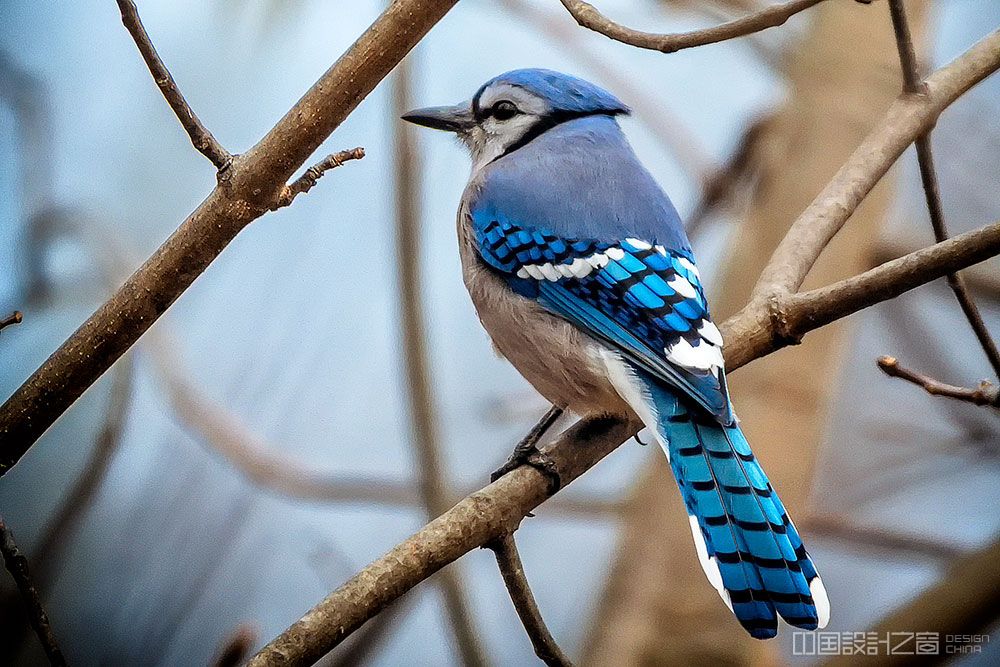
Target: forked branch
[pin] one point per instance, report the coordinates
(907, 118)
(201, 138)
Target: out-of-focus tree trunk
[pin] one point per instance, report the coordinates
(658, 607)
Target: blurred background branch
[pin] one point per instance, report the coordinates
(433, 487)
(17, 565)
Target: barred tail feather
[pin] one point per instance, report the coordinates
(749, 549)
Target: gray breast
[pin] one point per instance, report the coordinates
(558, 359)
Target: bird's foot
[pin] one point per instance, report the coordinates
(531, 456)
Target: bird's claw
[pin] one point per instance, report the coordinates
(537, 460)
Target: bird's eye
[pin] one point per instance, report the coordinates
(504, 110)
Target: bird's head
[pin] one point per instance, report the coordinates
(512, 109)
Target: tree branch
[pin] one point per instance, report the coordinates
(512, 570)
(985, 394)
(13, 318)
(17, 565)
(474, 521)
(932, 192)
(588, 17)
(497, 509)
(907, 118)
(201, 138)
(306, 181)
(783, 320)
(254, 181)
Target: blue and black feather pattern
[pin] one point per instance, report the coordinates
(637, 296)
(626, 293)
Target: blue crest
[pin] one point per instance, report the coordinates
(567, 94)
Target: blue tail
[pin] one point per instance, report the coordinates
(748, 546)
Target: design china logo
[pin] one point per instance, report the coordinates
(887, 643)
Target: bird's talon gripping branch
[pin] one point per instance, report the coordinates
(526, 452)
(536, 459)
(545, 465)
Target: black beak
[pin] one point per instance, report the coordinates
(456, 118)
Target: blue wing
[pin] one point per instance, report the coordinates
(644, 300)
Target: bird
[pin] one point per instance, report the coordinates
(580, 271)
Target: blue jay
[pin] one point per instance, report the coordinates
(581, 273)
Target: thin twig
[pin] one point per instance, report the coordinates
(237, 647)
(932, 193)
(986, 393)
(512, 570)
(200, 137)
(434, 490)
(589, 17)
(17, 565)
(306, 181)
(13, 318)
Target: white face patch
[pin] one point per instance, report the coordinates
(492, 136)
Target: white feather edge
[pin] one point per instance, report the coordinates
(708, 563)
(627, 385)
(821, 600)
(704, 357)
(624, 381)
